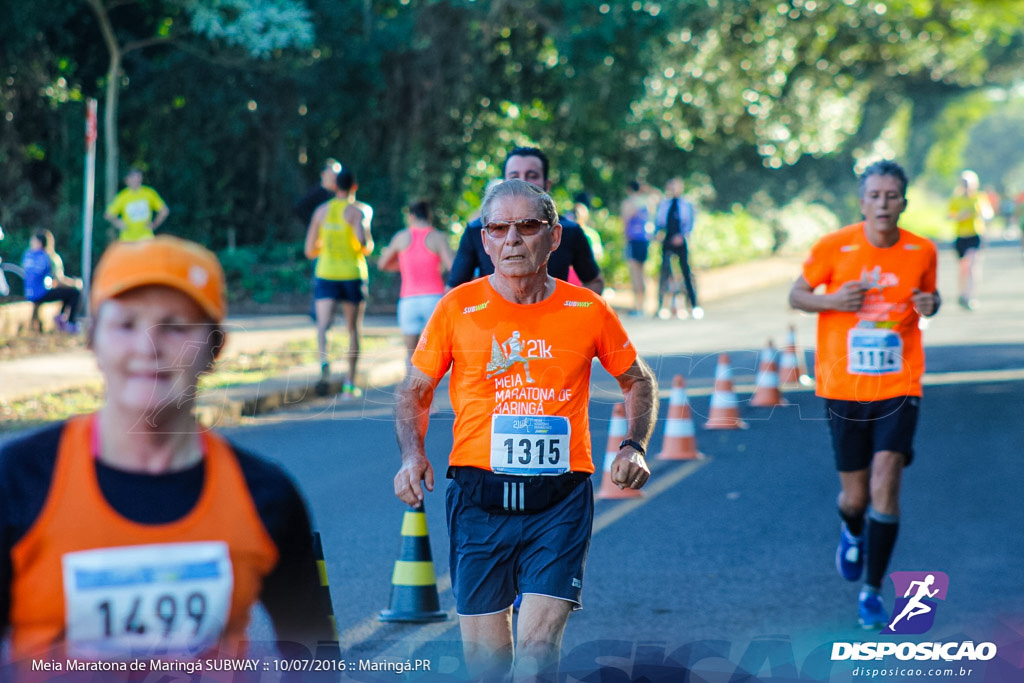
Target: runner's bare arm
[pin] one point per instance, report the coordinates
(437, 242)
(412, 414)
(114, 219)
(312, 248)
(849, 297)
(389, 257)
(639, 391)
(359, 216)
(160, 217)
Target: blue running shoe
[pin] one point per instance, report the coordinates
(849, 558)
(870, 612)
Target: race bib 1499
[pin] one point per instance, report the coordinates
(167, 599)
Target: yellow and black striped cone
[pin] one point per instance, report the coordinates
(324, 649)
(325, 589)
(413, 584)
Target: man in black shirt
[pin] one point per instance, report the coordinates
(304, 208)
(471, 261)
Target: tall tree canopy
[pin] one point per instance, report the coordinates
(233, 104)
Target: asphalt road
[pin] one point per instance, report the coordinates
(726, 565)
(724, 570)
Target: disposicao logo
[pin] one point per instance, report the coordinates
(914, 612)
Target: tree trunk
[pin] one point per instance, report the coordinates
(110, 148)
(110, 107)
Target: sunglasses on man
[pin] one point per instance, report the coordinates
(524, 227)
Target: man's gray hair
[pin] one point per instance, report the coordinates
(542, 201)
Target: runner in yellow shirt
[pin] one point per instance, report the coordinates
(339, 239)
(969, 210)
(137, 210)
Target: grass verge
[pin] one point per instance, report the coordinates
(239, 369)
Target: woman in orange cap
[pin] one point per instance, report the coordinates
(133, 532)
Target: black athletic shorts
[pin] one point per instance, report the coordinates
(495, 556)
(340, 290)
(859, 430)
(963, 244)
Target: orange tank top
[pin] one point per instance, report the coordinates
(51, 601)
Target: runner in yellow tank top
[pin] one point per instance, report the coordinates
(339, 239)
(969, 209)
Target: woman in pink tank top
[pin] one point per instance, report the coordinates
(421, 253)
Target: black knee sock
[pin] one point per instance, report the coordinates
(881, 539)
(855, 525)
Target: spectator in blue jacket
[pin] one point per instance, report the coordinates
(45, 280)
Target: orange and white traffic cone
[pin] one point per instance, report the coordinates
(766, 389)
(724, 412)
(616, 433)
(679, 442)
(792, 366)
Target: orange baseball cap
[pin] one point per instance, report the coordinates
(163, 260)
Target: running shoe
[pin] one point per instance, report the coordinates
(697, 313)
(870, 612)
(350, 391)
(849, 558)
(323, 387)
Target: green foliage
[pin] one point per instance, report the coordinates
(801, 224)
(260, 27)
(263, 273)
(232, 105)
(952, 136)
(927, 214)
(723, 238)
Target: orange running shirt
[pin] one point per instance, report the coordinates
(526, 361)
(875, 353)
(112, 587)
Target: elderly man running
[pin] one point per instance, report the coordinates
(520, 504)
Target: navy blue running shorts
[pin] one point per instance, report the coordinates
(965, 244)
(340, 290)
(859, 430)
(494, 557)
(636, 250)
